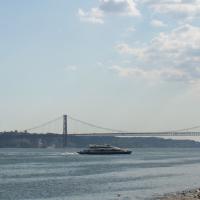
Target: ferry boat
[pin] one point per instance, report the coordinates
(104, 149)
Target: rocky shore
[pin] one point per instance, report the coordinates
(185, 195)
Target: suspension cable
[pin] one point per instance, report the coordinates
(95, 126)
(44, 124)
(103, 128)
(186, 129)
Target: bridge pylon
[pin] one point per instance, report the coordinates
(64, 131)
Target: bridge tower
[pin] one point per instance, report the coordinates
(64, 131)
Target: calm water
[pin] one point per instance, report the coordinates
(52, 174)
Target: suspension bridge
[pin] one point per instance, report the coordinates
(71, 125)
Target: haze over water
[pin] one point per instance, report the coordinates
(54, 174)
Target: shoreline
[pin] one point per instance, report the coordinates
(184, 195)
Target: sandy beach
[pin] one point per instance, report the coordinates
(184, 195)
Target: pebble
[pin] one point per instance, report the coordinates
(184, 195)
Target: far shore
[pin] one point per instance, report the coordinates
(184, 195)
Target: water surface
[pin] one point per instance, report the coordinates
(55, 174)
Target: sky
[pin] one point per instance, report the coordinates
(125, 64)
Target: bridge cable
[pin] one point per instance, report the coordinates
(44, 124)
(94, 125)
(186, 129)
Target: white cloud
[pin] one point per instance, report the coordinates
(94, 16)
(188, 9)
(122, 7)
(157, 23)
(124, 48)
(178, 50)
(179, 41)
(150, 74)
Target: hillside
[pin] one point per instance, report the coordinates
(27, 140)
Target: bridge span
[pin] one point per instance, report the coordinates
(141, 134)
(67, 123)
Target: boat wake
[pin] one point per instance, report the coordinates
(69, 153)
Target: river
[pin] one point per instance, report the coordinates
(57, 174)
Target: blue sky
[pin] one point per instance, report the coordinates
(123, 64)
